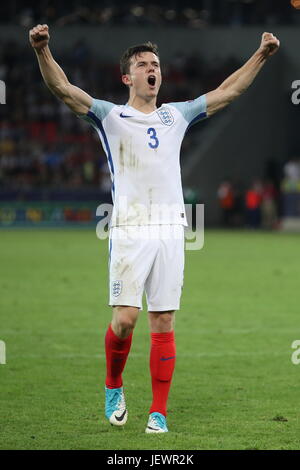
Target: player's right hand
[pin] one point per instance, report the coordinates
(39, 36)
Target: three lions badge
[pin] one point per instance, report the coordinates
(166, 116)
(116, 288)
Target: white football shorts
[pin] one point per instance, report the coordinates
(146, 258)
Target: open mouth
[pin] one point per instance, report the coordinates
(151, 80)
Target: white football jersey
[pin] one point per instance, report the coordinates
(143, 152)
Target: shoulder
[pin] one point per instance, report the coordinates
(100, 108)
(192, 110)
(97, 112)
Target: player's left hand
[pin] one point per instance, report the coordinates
(269, 44)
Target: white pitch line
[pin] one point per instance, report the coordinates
(180, 355)
(201, 331)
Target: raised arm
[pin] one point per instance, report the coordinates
(240, 80)
(54, 77)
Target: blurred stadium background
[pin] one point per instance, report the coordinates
(243, 164)
(240, 309)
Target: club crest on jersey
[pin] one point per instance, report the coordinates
(116, 288)
(166, 116)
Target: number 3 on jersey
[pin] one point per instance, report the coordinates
(155, 142)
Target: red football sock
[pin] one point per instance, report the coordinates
(117, 350)
(162, 363)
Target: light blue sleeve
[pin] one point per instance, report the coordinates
(193, 110)
(97, 112)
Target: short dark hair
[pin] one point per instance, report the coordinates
(133, 51)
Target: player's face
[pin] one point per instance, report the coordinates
(144, 75)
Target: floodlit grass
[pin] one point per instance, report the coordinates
(234, 386)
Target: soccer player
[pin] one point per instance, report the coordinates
(146, 242)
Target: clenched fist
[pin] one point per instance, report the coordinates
(39, 36)
(269, 44)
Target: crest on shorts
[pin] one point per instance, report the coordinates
(116, 288)
(166, 116)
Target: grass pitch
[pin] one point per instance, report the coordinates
(234, 387)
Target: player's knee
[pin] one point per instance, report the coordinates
(162, 321)
(124, 320)
(126, 323)
(167, 319)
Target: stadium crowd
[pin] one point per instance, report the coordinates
(42, 144)
(264, 201)
(191, 13)
(255, 206)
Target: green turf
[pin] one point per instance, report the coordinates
(234, 387)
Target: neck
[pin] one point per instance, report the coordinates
(142, 104)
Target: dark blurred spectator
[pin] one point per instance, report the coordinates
(227, 202)
(291, 188)
(269, 215)
(253, 199)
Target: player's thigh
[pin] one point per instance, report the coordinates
(131, 257)
(164, 283)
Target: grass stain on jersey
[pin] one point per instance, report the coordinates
(150, 194)
(127, 157)
(121, 157)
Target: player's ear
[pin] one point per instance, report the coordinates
(126, 79)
